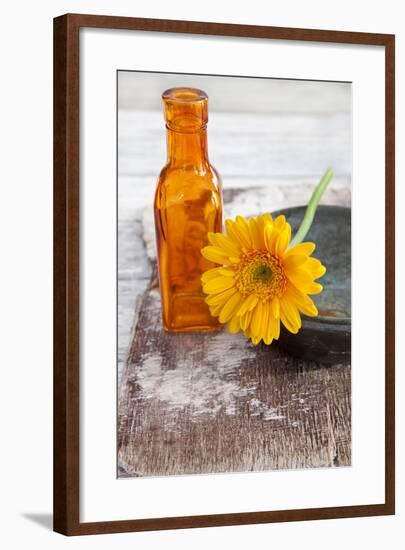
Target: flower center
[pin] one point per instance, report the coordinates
(260, 273)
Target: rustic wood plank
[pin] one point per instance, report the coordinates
(136, 242)
(267, 160)
(244, 144)
(237, 95)
(200, 403)
(204, 403)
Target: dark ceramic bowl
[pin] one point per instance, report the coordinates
(327, 337)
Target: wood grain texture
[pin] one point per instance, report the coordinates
(213, 403)
(202, 403)
(267, 162)
(66, 276)
(390, 274)
(227, 29)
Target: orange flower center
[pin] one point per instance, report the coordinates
(260, 273)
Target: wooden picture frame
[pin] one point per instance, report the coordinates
(67, 283)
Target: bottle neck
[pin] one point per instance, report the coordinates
(187, 149)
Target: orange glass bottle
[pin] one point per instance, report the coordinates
(188, 204)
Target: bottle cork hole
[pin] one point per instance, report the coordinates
(184, 94)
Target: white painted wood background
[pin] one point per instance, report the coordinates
(270, 139)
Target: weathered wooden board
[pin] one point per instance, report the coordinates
(214, 403)
(201, 403)
(267, 161)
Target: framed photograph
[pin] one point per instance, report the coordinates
(223, 274)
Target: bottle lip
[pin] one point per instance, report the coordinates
(184, 95)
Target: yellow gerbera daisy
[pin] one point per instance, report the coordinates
(260, 281)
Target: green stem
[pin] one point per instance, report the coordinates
(311, 208)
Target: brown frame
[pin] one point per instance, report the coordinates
(66, 272)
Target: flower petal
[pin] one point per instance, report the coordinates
(289, 316)
(212, 238)
(215, 310)
(315, 267)
(257, 319)
(268, 231)
(234, 325)
(315, 288)
(221, 298)
(279, 222)
(214, 254)
(246, 319)
(277, 228)
(289, 309)
(302, 301)
(303, 248)
(283, 239)
(288, 325)
(302, 280)
(225, 244)
(275, 307)
(243, 224)
(266, 329)
(219, 284)
(248, 304)
(210, 274)
(293, 261)
(263, 220)
(238, 233)
(226, 272)
(257, 239)
(276, 329)
(230, 307)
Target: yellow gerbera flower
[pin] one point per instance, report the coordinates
(260, 281)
